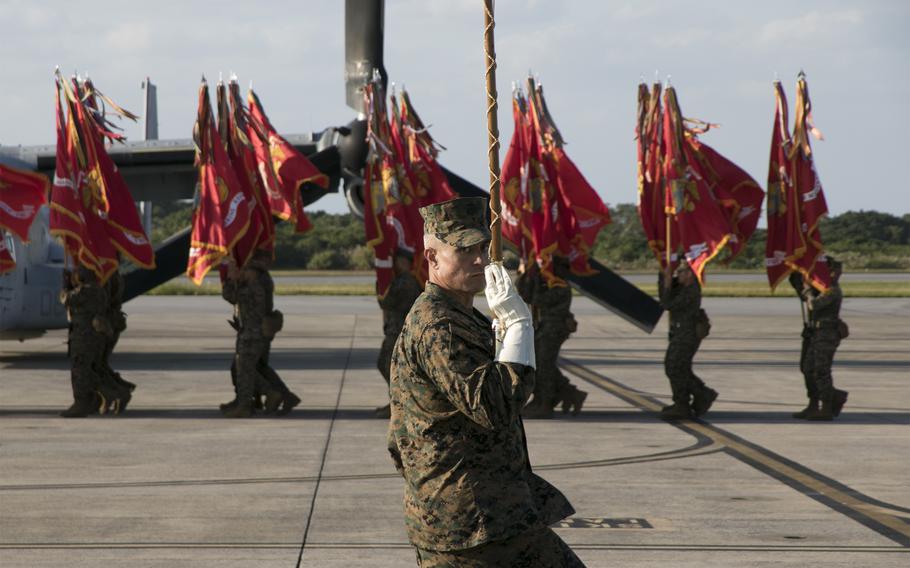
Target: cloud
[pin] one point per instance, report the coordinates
(815, 26)
(128, 36)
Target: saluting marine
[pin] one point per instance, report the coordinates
(252, 290)
(457, 392)
(396, 303)
(689, 324)
(554, 323)
(826, 332)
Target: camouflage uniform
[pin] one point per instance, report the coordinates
(457, 438)
(805, 362)
(117, 319)
(683, 303)
(534, 549)
(456, 434)
(253, 295)
(551, 305)
(399, 298)
(86, 303)
(824, 312)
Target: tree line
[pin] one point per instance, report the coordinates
(864, 240)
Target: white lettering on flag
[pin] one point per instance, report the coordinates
(24, 213)
(232, 212)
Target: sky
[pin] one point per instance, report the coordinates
(721, 56)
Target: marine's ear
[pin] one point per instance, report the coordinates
(430, 255)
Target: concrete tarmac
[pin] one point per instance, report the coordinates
(171, 483)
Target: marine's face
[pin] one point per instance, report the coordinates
(459, 269)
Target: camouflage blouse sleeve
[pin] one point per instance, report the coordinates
(826, 299)
(229, 290)
(491, 394)
(679, 297)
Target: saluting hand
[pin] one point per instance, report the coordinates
(503, 297)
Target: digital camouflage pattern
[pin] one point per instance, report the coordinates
(554, 325)
(805, 361)
(534, 549)
(683, 303)
(824, 315)
(399, 298)
(459, 222)
(456, 434)
(253, 294)
(117, 319)
(86, 305)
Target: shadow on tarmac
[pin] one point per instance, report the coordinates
(605, 416)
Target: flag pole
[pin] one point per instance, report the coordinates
(667, 216)
(492, 133)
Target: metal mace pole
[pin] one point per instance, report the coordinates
(492, 133)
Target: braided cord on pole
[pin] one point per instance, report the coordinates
(492, 132)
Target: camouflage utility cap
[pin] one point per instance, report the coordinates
(459, 222)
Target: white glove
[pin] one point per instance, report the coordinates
(512, 324)
(503, 298)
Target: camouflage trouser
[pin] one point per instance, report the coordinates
(549, 381)
(821, 354)
(678, 367)
(265, 377)
(805, 363)
(248, 381)
(86, 350)
(384, 361)
(268, 374)
(534, 549)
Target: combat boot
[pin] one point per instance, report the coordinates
(273, 400)
(676, 411)
(824, 413)
(225, 406)
(290, 401)
(81, 408)
(240, 410)
(702, 400)
(538, 409)
(573, 399)
(838, 401)
(810, 408)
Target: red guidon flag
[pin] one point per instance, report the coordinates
(282, 167)
(703, 227)
(7, 261)
(582, 213)
(516, 221)
(544, 203)
(242, 145)
(651, 187)
(76, 197)
(739, 196)
(432, 183)
(222, 216)
(233, 127)
(124, 228)
(380, 236)
(403, 191)
(22, 193)
(796, 202)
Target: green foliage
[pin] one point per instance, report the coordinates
(864, 240)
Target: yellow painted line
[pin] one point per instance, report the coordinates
(891, 521)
